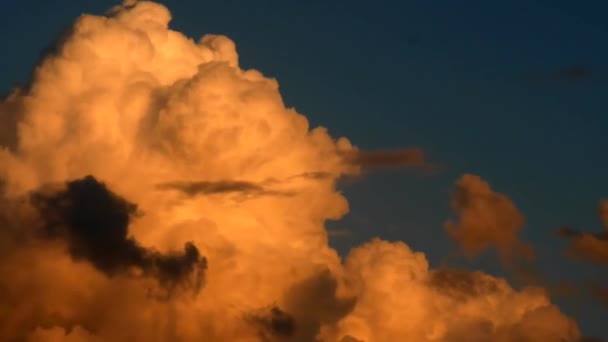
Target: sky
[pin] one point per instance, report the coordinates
(511, 91)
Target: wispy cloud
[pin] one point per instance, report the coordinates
(196, 188)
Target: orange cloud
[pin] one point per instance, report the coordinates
(591, 247)
(486, 219)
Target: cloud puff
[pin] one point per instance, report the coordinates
(486, 219)
(591, 247)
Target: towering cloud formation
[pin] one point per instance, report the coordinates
(176, 128)
(487, 219)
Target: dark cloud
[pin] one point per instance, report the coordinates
(568, 74)
(462, 284)
(196, 188)
(314, 302)
(273, 322)
(383, 159)
(94, 222)
(601, 293)
(317, 175)
(308, 305)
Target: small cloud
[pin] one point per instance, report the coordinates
(196, 188)
(487, 219)
(590, 247)
(385, 159)
(568, 74)
(586, 246)
(601, 293)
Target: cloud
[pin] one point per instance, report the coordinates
(221, 187)
(95, 222)
(486, 219)
(601, 292)
(383, 159)
(443, 305)
(274, 322)
(603, 213)
(137, 105)
(590, 247)
(568, 74)
(462, 284)
(316, 302)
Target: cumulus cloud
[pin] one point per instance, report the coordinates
(402, 299)
(486, 219)
(138, 106)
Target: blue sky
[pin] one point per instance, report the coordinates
(513, 91)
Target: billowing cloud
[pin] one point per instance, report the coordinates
(136, 105)
(443, 305)
(486, 219)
